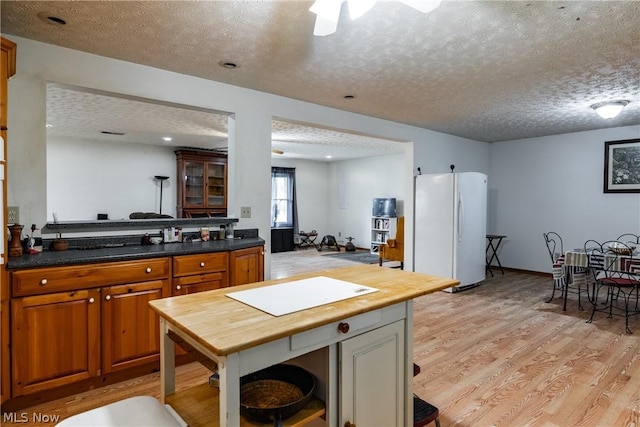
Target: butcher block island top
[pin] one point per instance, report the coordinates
(224, 325)
(242, 339)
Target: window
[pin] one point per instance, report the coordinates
(282, 197)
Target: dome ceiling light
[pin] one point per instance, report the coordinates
(609, 109)
(328, 11)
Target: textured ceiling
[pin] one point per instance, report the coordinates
(75, 112)
(485, 70)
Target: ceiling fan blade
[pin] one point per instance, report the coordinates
(424, 6)
(324, 27)
(327, 15)
(357, 8)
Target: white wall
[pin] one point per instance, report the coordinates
(555, 183)
(87, 177)
(360, 181)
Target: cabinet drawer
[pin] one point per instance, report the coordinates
(347, 328)
(54, 279)
(199, 282)
(185, 265)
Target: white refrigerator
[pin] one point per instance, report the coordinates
(450, 226)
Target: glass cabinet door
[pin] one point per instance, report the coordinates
(194, 183)
(216, 185)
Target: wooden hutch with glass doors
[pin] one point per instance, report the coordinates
(202, 184)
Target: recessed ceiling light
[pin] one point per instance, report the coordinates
(167, 138)
(328, 157)
(48, 125)
(228, 64)
(49, 18)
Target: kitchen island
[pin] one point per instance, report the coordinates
(359, 349)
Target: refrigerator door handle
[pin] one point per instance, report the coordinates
(460, 217)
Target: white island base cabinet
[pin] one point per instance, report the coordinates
(372, 378)
(359, 349)
(363, 375)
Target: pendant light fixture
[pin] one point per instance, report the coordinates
(609, 109)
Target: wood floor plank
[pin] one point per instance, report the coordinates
(494, 355)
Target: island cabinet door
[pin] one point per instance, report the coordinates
(130, 329)
(55, 340)
(372, 376)
(246, 266)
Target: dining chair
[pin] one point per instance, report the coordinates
(565, 279)
(629, 238)
(556, 250)
(616, 269)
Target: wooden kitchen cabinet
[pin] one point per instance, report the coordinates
(200, 272)
(55, 339)
(246, 265)
(7, 69)
(74, 323)
(202, 188)
(130, 333)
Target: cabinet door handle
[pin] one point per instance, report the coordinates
(349, 424)
(178, 287)
(344, 328)
(91, 300)
(202, 264)
(148, 270)
(108, 297)
(43, 282)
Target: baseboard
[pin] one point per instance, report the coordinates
(519, 270)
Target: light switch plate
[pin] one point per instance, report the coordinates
(13, 215)
(245, 212)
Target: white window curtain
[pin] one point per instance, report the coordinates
(283, 199)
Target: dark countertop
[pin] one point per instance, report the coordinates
(130, 252)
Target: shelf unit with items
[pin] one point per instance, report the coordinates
(382, 229)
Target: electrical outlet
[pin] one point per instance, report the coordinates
(13, 215)
(339, 233)
(245, 212)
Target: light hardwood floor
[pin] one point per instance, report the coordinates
(495, 355)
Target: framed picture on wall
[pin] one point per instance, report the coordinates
(622, 166)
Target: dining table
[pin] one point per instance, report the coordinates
(579, 265)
